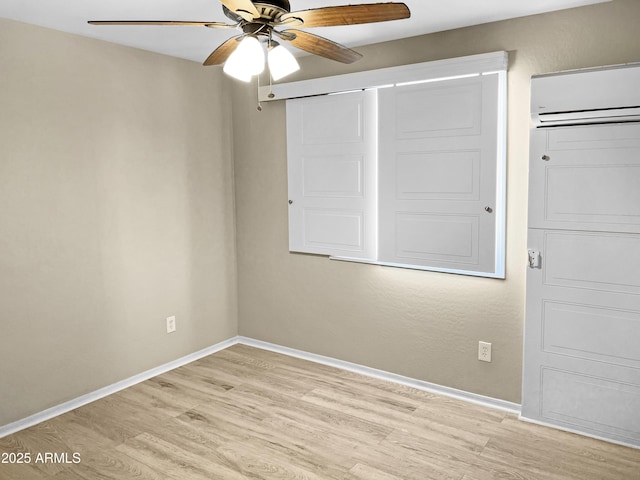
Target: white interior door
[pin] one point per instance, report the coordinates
(582, 332)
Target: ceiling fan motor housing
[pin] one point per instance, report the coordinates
(270, 11)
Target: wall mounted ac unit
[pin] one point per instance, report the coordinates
(598, 95)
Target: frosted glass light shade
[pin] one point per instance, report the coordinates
(282, 62)
(246, 60)
(236, 70)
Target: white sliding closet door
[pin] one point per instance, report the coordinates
(439, 164)
(331, 143)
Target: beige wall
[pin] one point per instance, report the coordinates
(116, 211)
(420, 324)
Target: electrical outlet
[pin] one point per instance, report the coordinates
(484, 351)
(171, 324)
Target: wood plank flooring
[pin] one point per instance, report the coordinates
(245, 413)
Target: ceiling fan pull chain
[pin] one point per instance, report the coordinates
(258, 94)
(270, 95)
(269, 47)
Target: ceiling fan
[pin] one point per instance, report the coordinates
(260, 20)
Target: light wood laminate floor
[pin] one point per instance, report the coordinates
(245, 413)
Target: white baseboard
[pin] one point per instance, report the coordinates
(351, 367)
(110, 389)
(387, 376)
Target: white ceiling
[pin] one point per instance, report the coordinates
(196, 43)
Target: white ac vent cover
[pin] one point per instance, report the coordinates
(598, 95)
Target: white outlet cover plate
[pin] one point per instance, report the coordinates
(171, 324)
(484, 351)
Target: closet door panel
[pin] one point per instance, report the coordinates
(331, 161)
(439, 175)
(586, 178)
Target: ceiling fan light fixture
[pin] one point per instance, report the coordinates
(281, 62)
(246, 60)
(237, 70)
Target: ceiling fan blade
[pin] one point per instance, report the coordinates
(220, 54)
(319, 46)
(348, 14)
(161, 22)
(245, 8)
